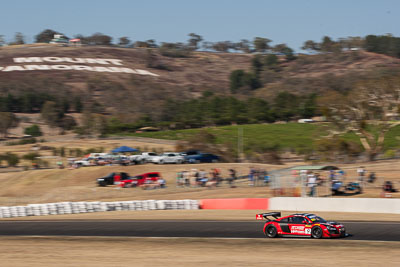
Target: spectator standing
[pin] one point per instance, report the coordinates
(179, 179)
(251, 176)
(265, 177)
(332, 175)
(193, 176)
(303, 182)
(186, 178)
(342, 175)
(361, 174)
(259, 177)
(312, 183)
(372, 177)
(162, 182)
(202, 178)
(232, 177)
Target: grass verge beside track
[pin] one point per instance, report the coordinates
(117, 251)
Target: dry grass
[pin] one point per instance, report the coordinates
(106, 251)
(52, 185)
(74, 185)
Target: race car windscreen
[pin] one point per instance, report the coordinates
(316, 219)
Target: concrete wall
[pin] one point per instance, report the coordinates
(368, 205)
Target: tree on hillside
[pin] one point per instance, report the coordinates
(33, 130)
(244, 46)
(8, 120)
(236, 80)
(18, 39)
(383, 44)
(351, 42)
(52, 114)
(271, 61)
(284, 49)
(222, 46)
(285, 106)
(174, 50)
(261, 44)
(45, 36)
(366, 111)
(194, 41)
(2, 41)
(151, 43)
(11, 158)
(67, 123)
(311, 46)
(256, 64)
(141, 44)
(100, 39)
(124, 41)
(328, 45)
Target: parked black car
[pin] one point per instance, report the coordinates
(202, 158)
(109, 179)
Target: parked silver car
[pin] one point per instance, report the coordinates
(169, 157)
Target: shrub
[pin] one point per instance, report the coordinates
(389, 154)
(33, 130)
(22, 142)
(12, 159)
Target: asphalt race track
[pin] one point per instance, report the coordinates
(375, 231)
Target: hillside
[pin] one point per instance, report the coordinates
(136, 81)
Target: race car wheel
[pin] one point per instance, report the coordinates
(271, 231)
(343, 234)
(316, 232)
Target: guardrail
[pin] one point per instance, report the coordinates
(95, 206)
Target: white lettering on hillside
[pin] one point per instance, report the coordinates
(58, 66)
(115, 61)
(53, 59)
(145, 72)
(77, 67)
(27, 59)
(102, 61)
(13, 68)
(37, 67)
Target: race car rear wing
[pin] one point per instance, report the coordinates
(261, 216)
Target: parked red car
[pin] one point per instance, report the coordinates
(138, 180)
(300, 224)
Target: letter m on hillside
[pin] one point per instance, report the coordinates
(27, 59)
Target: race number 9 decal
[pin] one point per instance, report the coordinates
(308, 231)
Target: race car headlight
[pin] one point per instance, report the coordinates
(331, 228)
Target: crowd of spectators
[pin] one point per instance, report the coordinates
(199, 178)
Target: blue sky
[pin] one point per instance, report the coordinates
(284, 21)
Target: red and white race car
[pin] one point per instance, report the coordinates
(300, 224)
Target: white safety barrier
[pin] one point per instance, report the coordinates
(369, 205)
(95, 206)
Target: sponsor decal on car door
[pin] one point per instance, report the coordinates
(297, 229)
